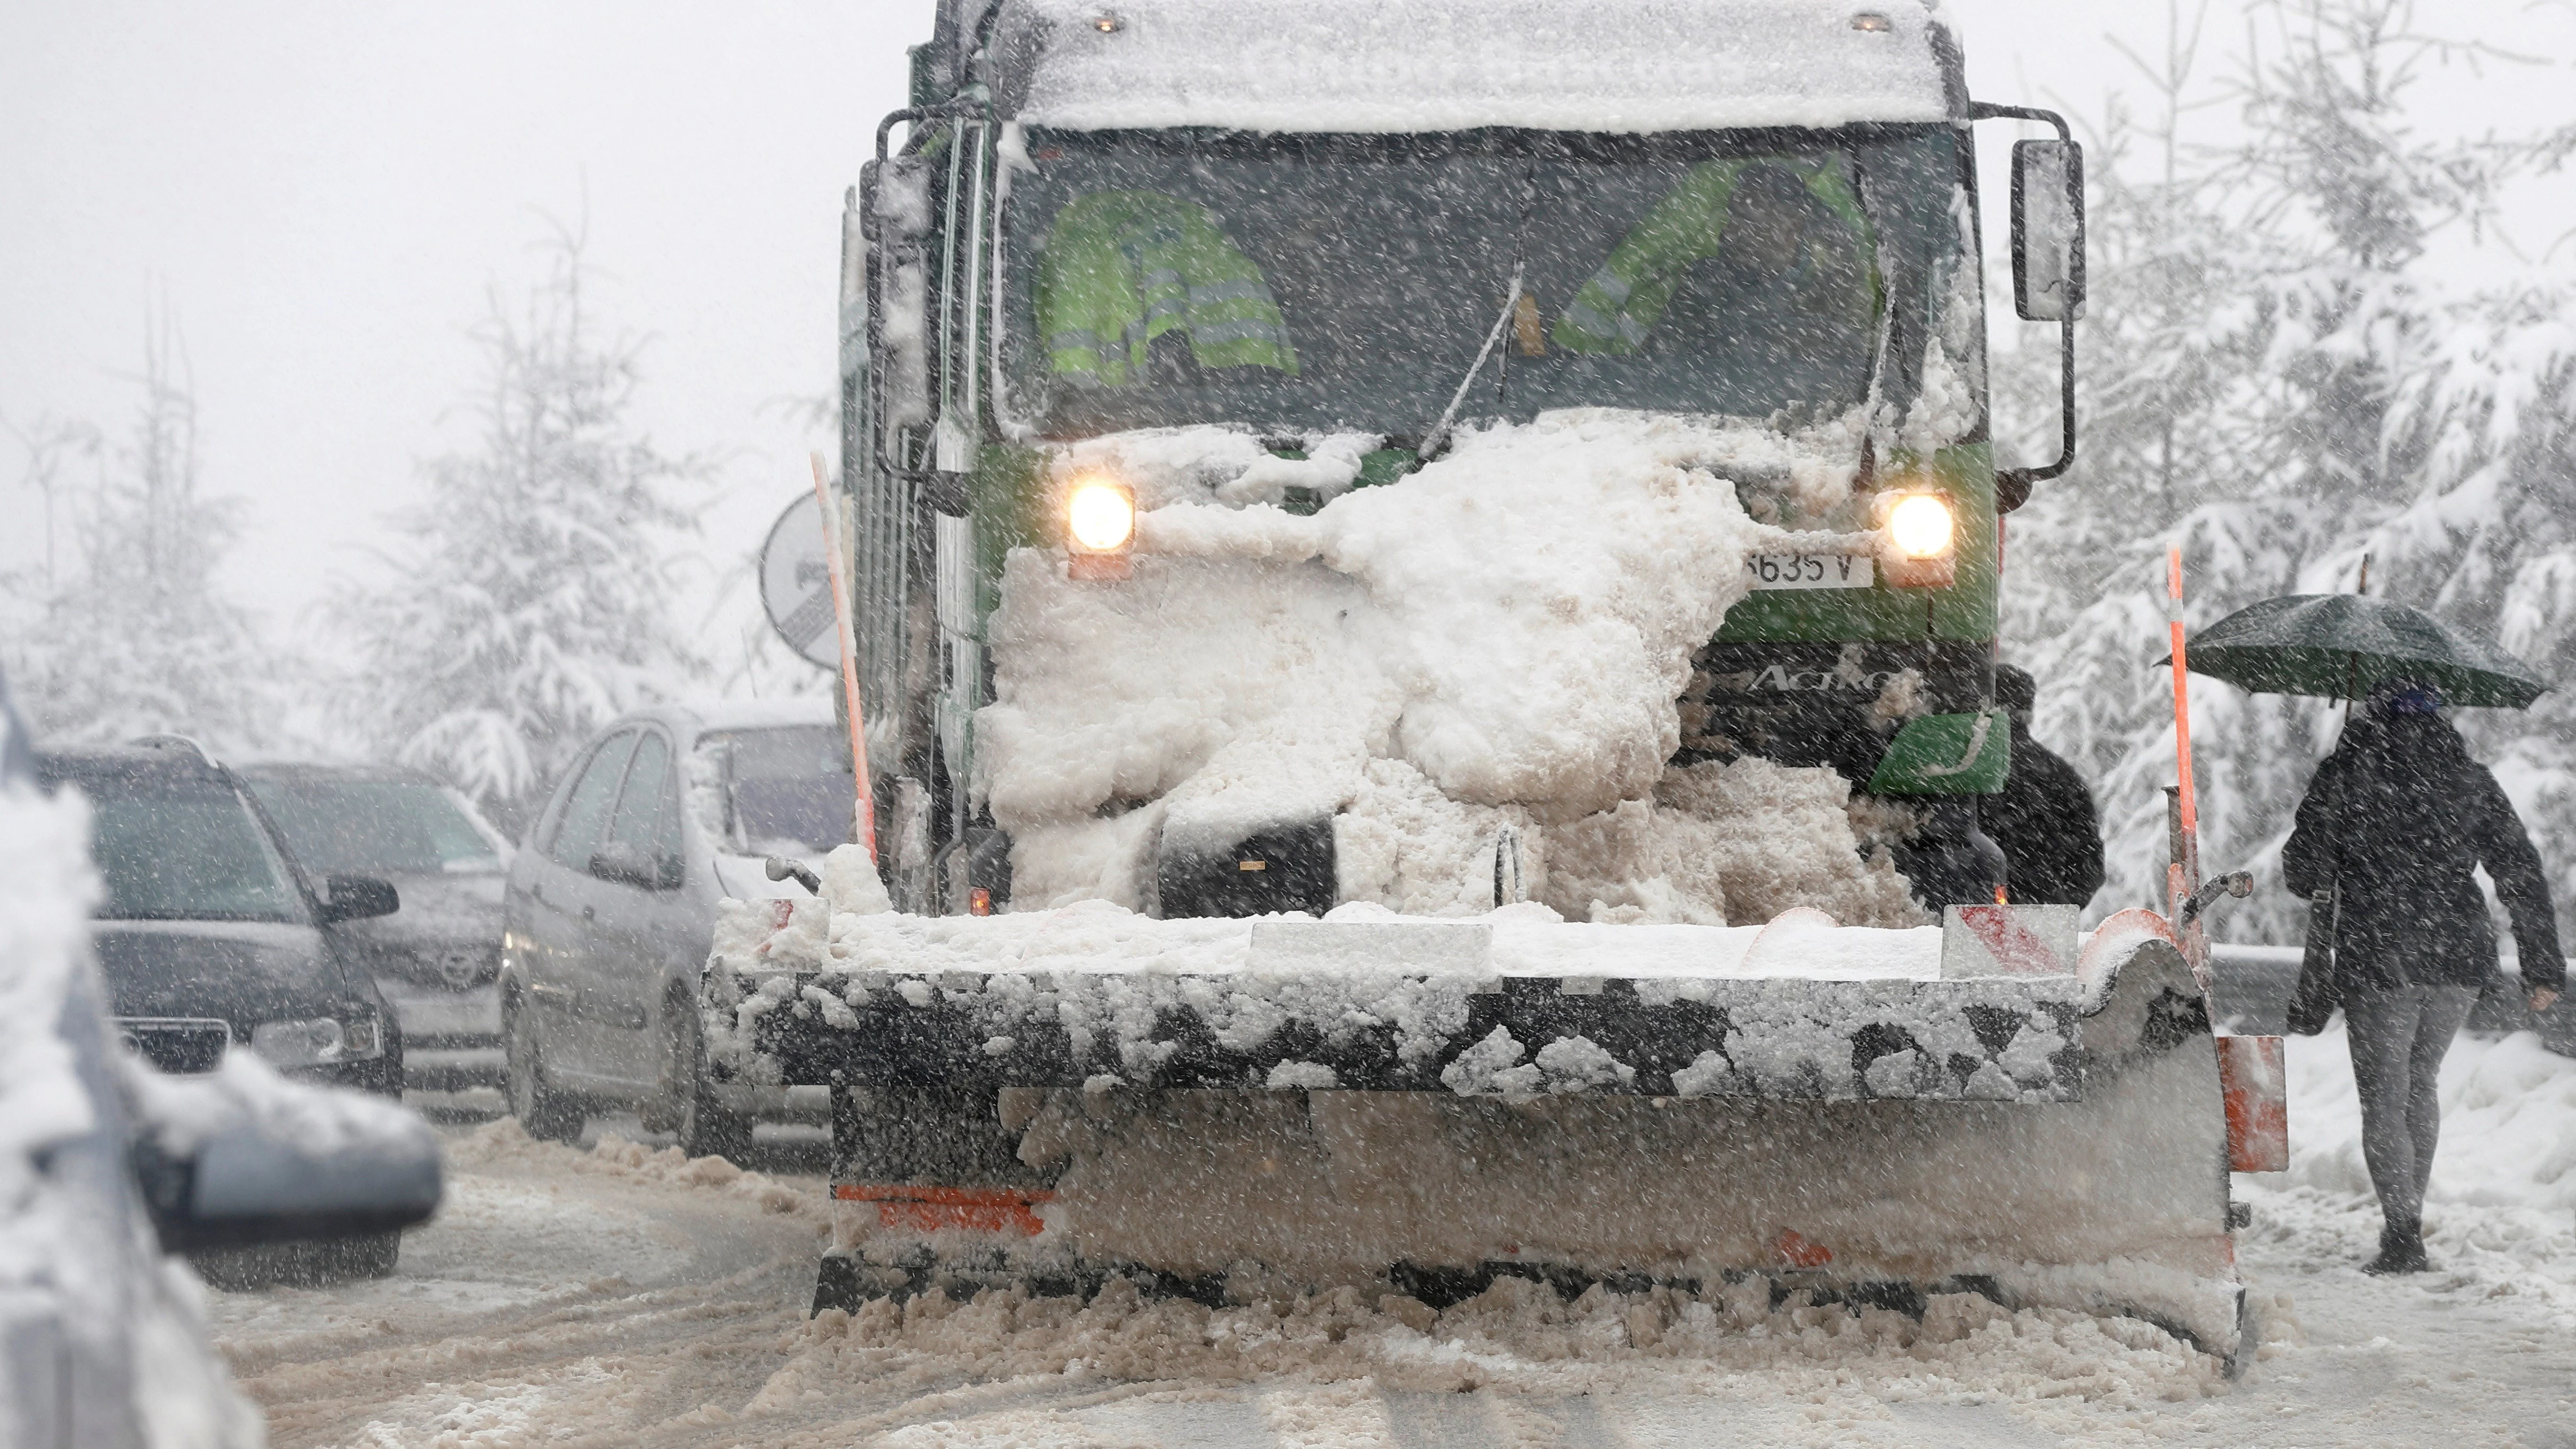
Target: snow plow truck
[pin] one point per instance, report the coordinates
(1422, 588)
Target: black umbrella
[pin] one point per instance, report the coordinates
(2346, 645)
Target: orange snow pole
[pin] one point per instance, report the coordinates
(2182, 875)
(2182, 692)
(867, 801)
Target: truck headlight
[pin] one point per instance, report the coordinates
(317, 1041)
(1101, 516)
(1100, 528)
(1922, 525)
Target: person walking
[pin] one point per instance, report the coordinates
(2043, 817)
(2396, 818)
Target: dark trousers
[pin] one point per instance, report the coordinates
(2398, 1040)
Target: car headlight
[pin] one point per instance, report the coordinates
(317, 1041)
(1922, 525)
(1100, 528)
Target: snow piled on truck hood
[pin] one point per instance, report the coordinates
(1496, 641)
(1363, 65)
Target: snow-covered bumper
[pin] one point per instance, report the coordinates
(1419, 1102)
(1797, 1010)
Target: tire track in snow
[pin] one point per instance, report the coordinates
(621, 1298)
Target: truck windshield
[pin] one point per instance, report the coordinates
(1323, 283)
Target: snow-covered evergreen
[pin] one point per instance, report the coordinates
(2286, 370)
(127, 630)
(529, 600)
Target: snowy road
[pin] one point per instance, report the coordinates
(619, 1296)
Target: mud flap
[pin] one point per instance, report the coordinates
(2253, 1078)
(930, 1191)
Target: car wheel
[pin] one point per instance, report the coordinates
(373, 1256)
(543, 1112)
(310, 1264)
(705, 1126)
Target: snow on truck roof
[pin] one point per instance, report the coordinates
(1367, 65)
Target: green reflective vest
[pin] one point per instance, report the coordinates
(1122, 268)
(1614, 310)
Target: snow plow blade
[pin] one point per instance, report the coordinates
(1867, 1114)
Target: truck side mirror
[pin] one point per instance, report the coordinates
(854, 289)
(2048, 230)
(895, 224)
(2048, 269)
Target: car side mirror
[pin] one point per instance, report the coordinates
(622, 864)
(269, 1177)
(2048, 230)
(358, 898)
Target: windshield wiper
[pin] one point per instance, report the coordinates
(1438, 434)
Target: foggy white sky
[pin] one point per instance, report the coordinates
(321, 194)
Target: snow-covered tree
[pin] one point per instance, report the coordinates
(2277, 379)
(529, 600)
(747, 656)
(127, 630)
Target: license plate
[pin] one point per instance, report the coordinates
(1809, 571)
(181, 1046)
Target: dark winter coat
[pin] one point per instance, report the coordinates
(2043, 818)
(2400, 814)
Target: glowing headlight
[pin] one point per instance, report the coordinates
(1922, 525)
(1101, 516)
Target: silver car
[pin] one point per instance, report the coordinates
(610, 910)
(436, 961)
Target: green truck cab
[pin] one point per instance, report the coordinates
(1320, 222)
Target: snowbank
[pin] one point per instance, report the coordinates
(1494, 643)
(1359, 65)
(82, 1278)
(2501, 1211)
(1331, 1356)
(504, 1142)
(46, 891)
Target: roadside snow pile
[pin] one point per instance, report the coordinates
(1517, 1334)
(2501, 1212)
(505, 1142)
(1494, 644)
(88, 1304)
(1641, 65)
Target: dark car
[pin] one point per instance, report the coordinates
(436, 961)
(611, 909)
(109, 1165)
(211, 934)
